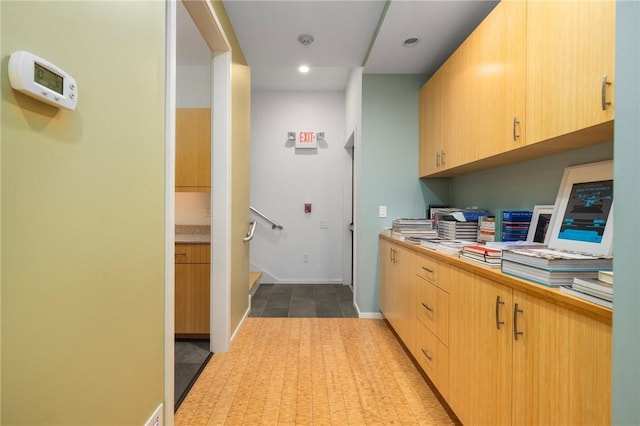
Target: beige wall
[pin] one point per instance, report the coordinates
(82, 198)
(240, 171)
(240, 185)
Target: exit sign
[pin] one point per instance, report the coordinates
(306, 140)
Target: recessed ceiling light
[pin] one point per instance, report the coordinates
(410, 42)
(304, 69)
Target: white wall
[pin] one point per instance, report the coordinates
(193, 208)
(283, 178)
(193, 86)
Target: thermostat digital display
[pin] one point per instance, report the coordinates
(42, 80)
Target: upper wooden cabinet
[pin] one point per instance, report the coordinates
(497, 60)
(533, 79)
(193, 149)
(570, 52)
(430, 111)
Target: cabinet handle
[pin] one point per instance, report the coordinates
(437, 159)
(515, 134)
(427, 269)
(605, 83)
(391, 255)
(181, 254)
(424, 351)
(442, 157)
(427, 307)
(498, 303)
(516, 311)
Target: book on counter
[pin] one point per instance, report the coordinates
(482, 255)
(404, 228)
(593, 287)
(558, 259)
(589, 298)
(486, 228)
(515, 224)
(446, 246)
(606, 276)
(548, 277)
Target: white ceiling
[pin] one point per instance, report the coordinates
(344, 31)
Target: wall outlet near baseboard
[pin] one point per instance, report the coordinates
(156, 418)
(305, 257)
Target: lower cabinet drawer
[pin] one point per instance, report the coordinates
(433, 357)
(192, 253)
(432, 309)
(426, 268)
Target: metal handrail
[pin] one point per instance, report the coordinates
(252, 229)
(274, 225)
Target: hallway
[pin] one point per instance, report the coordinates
(303, 371)
(303, 300)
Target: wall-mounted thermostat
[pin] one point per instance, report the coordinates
(42, 80)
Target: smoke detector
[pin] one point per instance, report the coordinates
(305, 39)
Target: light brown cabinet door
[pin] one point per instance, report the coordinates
(497, 61)
(192, 298)
(430, 126)
(397, 290)
(456, 110)
(480, 351)
(570, 49)
(193, 149)
(561, 366)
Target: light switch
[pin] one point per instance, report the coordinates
(382, 211)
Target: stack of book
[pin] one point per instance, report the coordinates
(446, 246)
(595, 290)
(486, 228)
(515, 224)
(482, 255)
(454, 230)
(553, 267)
(413, 228)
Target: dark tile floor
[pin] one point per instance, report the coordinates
(303, 300)
(190, 358)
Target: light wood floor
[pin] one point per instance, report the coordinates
(312, 371)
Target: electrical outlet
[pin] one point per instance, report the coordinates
(324, 224)
(305, 257)
(382, 211)
(156, 418)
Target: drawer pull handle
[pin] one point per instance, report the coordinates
(498, 303)
(427, 269)
(427, 307)
(515, 134)
(181, 254)
(424, 351)
(516, 311)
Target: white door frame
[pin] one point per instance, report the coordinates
(206, 20)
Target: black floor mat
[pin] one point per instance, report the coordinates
(191, 356)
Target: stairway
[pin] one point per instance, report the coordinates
(254, 278)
